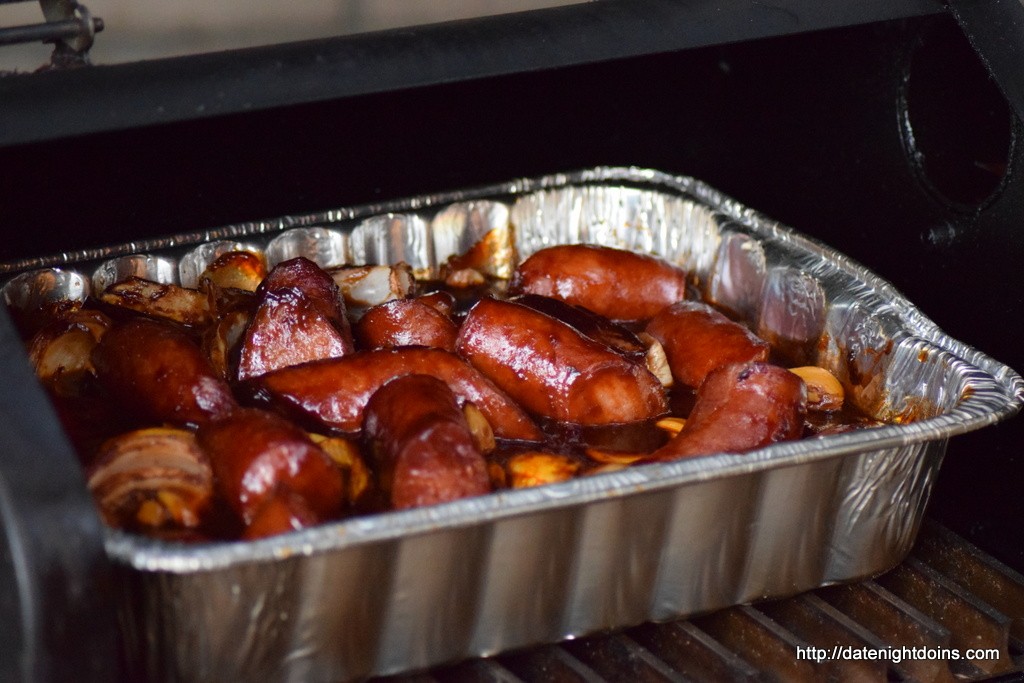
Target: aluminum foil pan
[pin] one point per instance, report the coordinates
(407, 590)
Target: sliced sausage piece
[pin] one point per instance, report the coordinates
(300, 318)
(156, 371)
(554, 371)
(441, 301)
(257, 455)
(741, 407)
(280, 514)
(697, 339)
(618, 284)
(420, 444)
(334, 392)
(405, 322)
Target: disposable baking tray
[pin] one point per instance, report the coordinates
(406, 590)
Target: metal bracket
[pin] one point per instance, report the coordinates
(69, 26)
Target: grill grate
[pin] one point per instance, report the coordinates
(947, 595)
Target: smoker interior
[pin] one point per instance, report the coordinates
(888, 141)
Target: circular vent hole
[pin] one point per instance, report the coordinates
(958, 126)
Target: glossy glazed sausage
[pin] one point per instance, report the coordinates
(281, 513)
(596, 327)
(300, 318)
(441, 301)
(741, 407)
(405, 322)
(335, 392)
(257, 455)
(420, 444)
(155, 370)
(618, 284)
(554, 371)
(697, 339)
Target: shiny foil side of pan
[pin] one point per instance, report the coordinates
(36, 288)
(407, 590)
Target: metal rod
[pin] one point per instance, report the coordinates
(46, 33)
